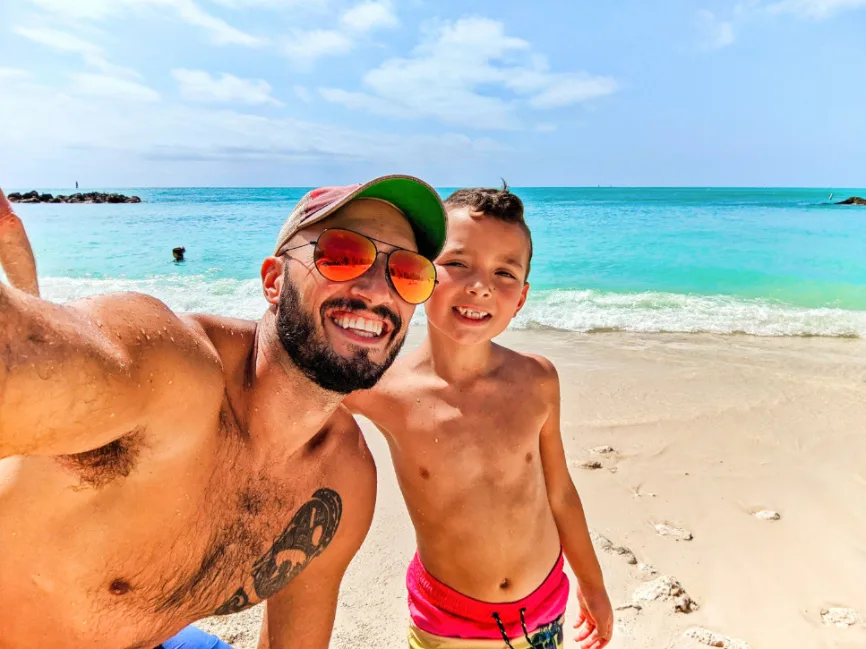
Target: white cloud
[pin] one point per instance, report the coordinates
(37, 121)
(58, 40)
(304, 48)
(362, 101)
(567, 90)
(198, 85)
(188, 11)
(713, 34)
(11, 74)
(65, 42)
(443, 78)
(303, 94)
(368, 16)
(271, 4)
(815, 9)
(221, 32)
(105, 87)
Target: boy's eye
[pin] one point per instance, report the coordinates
(505, 273)
(458, 264)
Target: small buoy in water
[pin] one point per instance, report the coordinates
(177, 253)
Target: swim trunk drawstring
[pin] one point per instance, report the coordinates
(522, 624)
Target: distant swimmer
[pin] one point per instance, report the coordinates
(178, 253)
(76, 184)
(831, 197)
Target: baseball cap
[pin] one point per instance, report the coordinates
(417, 200)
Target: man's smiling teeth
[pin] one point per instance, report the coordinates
(471, 313)
(359, 326)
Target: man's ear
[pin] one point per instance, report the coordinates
(272, 278)
(523, 295)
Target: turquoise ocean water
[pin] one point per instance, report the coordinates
(768, 262)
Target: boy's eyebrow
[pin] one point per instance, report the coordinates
(505, 260)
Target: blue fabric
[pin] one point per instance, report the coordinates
(193, 638)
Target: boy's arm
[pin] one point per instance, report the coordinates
(16, 255)
(596, 619)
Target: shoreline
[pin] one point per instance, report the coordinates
(707, 430)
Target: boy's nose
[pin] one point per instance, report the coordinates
(477, 286)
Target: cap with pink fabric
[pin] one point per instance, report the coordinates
(417, 200)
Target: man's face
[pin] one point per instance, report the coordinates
(344, 335)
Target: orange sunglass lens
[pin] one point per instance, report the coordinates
(342, 255)
(412, 275)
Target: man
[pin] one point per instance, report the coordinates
(16, 255)
(158, 469)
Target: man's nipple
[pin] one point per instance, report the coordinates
(119, 587)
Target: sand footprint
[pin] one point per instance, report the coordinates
(676, 533)
(767, 515)
(665, 588)
(608, 453)
(713, 639)
(841, 618)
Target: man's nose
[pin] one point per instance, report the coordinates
(373, 285)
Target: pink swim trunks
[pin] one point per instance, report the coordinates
(440, 611)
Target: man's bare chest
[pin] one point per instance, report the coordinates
(175, 540)
(248, 537)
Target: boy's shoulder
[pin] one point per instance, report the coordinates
(397, 386)
(532, 366)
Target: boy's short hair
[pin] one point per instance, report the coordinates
(499, 204)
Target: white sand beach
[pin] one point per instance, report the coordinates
(706, 431)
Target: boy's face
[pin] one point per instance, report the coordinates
(481, 274)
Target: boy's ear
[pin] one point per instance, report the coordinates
(523, 295)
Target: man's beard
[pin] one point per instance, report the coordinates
(312, 354)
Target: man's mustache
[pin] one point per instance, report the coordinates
(358, 305)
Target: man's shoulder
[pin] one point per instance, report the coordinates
(144, 328)
(344, 453)
(348, 469)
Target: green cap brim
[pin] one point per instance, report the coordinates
(421, 205)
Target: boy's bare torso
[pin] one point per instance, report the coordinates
(179, 519)
(468, 462)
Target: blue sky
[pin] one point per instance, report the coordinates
(307, 92)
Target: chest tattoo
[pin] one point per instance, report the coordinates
(310, 531)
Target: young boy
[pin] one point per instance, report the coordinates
(473, 430)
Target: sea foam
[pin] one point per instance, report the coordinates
(572, 310)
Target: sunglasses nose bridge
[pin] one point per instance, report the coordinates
(375, 281)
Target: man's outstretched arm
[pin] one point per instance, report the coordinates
(74, 377)
(16, 255)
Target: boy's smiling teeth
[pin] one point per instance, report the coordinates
(472, 314)
(359, 326)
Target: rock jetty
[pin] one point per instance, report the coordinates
(89, 197)
(854, 200)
